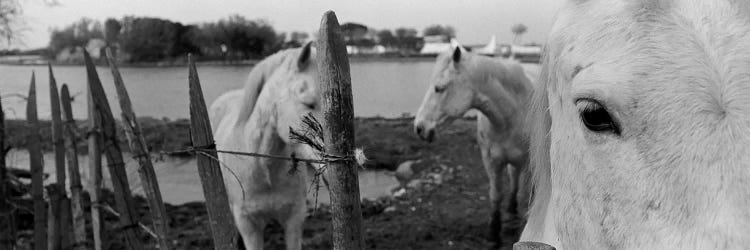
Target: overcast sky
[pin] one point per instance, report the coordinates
(475, 20)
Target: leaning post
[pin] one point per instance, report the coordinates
(60, 205)
(37, 170)
(140, 150)
(95, 170)
(76, 189)
(7, 216)
(115, 163)
(220, 217)
(338, 112)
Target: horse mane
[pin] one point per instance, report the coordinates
(256, 80)
(539, 123)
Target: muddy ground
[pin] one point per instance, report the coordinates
(444, 205)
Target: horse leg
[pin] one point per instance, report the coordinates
(494, 172)
(514, 173)
(293, 231)
(251, 229)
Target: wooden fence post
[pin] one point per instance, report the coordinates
(7, 216)
(95, 171)
(37, 170)
(333, 72)
(79, 217)
(59, 231)
(115, 164)
(217, 203)
(140, 151)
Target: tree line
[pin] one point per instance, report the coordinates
(144, 39)
(139, 39)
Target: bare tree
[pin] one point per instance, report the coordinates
(518, 31)
(11, 21)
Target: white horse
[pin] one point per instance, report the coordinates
(641, 130)
(499, 90)
(279, 91)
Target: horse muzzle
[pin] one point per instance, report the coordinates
(425, 133)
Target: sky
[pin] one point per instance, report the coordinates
(475, 21)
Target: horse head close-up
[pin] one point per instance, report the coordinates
(640, 130)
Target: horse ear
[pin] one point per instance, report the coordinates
(457, 54)
(304, 56)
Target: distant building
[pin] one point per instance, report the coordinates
(95, 47)
(526, 53)
(434, 45)
(365, 50)
(490, 49)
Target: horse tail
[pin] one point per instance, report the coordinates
(256, 80)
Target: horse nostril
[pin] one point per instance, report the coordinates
(418, 129)
(430, 135)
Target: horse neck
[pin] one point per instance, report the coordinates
(502, 93)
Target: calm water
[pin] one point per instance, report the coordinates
(380, 88)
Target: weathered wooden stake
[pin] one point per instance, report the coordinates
(79, 217)
(115, 164)
(7, 216)
(53, 217)
(333, 72)
(37, 170)
(219, 215)
(140, 150)
(95, 171)
(59, 231)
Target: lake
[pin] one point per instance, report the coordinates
(387, 88)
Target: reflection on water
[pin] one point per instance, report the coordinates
(179, 181)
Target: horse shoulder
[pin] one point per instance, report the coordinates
(220, 108)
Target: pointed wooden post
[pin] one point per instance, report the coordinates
(115, 164)
(7, 216)
(338, 112)
(95, 171)
(217, 203)
(37, 170)
(79, 217)
(59, 231)
(140, 150)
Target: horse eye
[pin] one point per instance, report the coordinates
(596, 118)
(310, 106)
(439, 88)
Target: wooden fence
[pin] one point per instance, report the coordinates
(62, 226)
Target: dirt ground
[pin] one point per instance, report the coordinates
(445, 205)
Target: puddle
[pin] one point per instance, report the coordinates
(179, 181)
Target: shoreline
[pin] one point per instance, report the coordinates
(174, 135)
